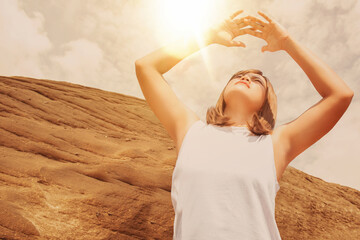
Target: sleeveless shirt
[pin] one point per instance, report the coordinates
(224, 185)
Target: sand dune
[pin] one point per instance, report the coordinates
(82, 163)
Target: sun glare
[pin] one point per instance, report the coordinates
(184, 19)
(187, 15)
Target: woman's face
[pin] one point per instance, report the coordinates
(246, 91)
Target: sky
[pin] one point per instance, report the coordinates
(96, 43)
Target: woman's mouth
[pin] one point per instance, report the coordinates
(243, 83)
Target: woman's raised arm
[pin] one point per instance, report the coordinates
(168, 56)
(314, 123)
(173, 114)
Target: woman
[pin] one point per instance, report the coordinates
(228, 170)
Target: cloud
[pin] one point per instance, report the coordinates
(27, 50)
(80, 62)
(23, 41)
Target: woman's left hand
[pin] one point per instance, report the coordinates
(224, 32)
(273, 33)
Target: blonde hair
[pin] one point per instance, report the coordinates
(263, 121)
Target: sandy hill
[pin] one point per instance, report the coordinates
(82, 163)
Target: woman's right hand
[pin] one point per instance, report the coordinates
(224, 32)
(272, 32)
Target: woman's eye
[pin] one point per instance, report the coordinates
(259, 81)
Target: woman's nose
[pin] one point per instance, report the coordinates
(244, 78)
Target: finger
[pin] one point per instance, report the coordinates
(265, 16)
(240, 22)
(253, 32)
(233, 27)
(264, 48)
(235, 14)
(256, 20)
(255, 24)
(237, 44)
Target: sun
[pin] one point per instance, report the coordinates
(186, 17)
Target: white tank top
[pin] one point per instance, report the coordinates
(224, 185)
